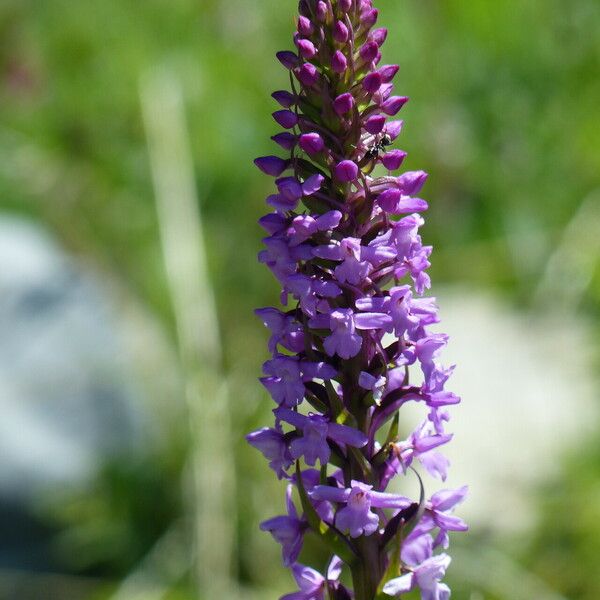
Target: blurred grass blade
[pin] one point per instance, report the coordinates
(570, 269)
(164, 566)
(212, 469)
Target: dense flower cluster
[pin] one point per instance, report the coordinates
(343, 242)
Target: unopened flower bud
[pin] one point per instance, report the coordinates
(288, 59)
(306, 48)
(322, 11)
(369, 51)
(369, 18)
(284, 98)
(271, 165)
(343, 104)
(372, 82)
(285, 139)
(311, 143)
(393, 159)
(340, 32)
(307, 74)
(388, 72)
(392, 105)
(286, 118)
(305, 27)
(339, 62)
(346, 171)
(379, 36)
(374, 124)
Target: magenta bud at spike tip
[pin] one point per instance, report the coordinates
(355, 338)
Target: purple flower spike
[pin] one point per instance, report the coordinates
(311, 143)
(353, 340)
(346, 171)
(339, 63)
(343, 104)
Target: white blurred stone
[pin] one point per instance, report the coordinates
(64, 399)
(528, 397)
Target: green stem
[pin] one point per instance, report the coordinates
(367, 570)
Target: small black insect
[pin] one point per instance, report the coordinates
(380, 146)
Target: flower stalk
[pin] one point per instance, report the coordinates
(355, 326)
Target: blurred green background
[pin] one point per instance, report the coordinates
(505, 117)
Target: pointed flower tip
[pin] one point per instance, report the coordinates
(271, 165)
(388, 72)
(393, 159)
(379, 36)
(288, 59)
(369, 17)
(285, 139)
(284, 98)
(368, 52)
(393, 105)
(372, 82)
(286, 118)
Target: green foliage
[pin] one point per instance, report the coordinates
(107, 528)
(565, 548)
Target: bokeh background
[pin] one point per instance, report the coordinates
(128, 348)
